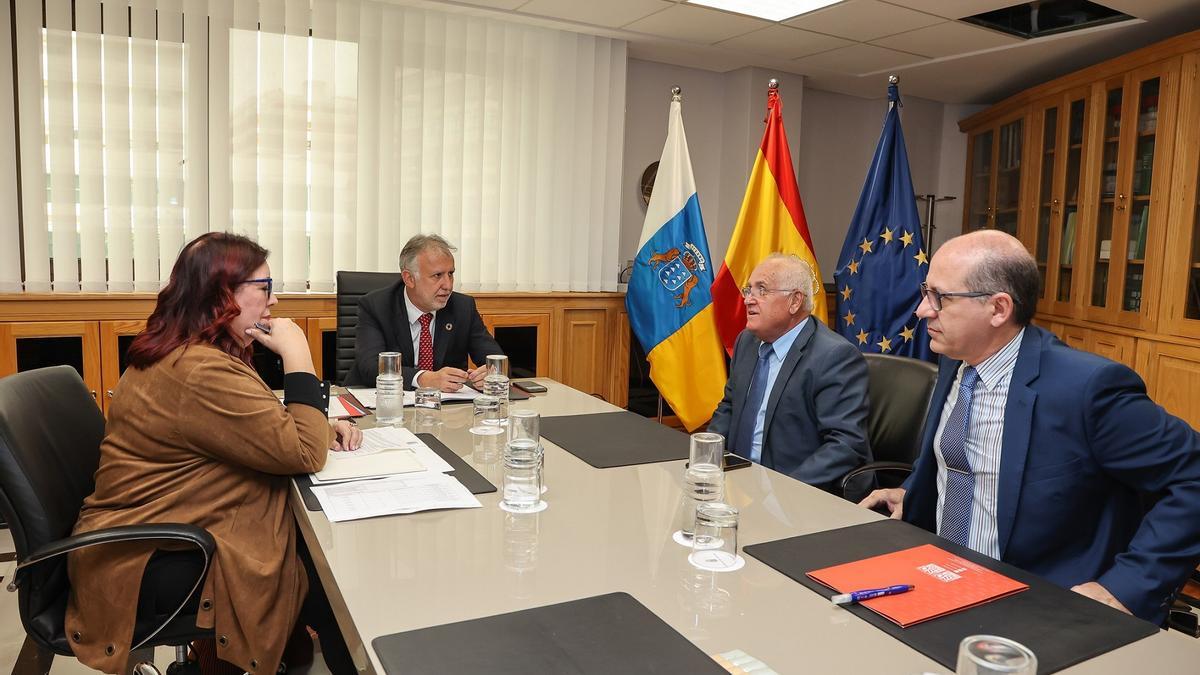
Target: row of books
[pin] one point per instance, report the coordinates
(1137, 238)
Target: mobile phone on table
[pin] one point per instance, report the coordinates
(732, 461)
(529, 386)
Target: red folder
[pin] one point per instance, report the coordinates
(943, 583)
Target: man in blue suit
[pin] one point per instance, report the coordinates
(796, 399)
(1038, 454)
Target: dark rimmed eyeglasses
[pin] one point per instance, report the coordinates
(935, 297)
(265, 280)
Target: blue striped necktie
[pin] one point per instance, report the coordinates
(758, 388)
(960, 481)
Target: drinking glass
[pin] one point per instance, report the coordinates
(526, 424)
(985, 654)
(701, 484)
(389, 391)
(486, 415)
(522, 476)
(706, 448)
(714, 544)
(428, 405)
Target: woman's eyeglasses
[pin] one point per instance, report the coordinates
(265, 280)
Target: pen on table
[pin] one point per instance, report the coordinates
(859, 596)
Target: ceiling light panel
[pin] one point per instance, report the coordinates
(771, 10)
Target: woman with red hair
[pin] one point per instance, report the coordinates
(195, 436)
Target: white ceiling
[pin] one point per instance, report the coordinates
(852, 47)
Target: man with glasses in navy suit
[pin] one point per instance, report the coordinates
(1041, 455)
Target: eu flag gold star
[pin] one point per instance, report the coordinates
(853, 267)
(906, 238)
(907, 333)
(849, 318)
(885, 345)
(865, 245)
(846, 293)
(887, 236)
(862, 337)
(920, 258)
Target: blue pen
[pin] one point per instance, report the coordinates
(859, 596)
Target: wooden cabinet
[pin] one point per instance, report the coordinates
(580, 339)
(1124, 253)
(994, 160)
(1110, 207)
(1055, 178)
(26, 345)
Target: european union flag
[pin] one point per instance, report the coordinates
(884, 261)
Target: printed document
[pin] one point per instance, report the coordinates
(385, 451)
(398, 494)
(366, 396)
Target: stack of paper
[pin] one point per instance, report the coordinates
(398, 494)
(393, 472)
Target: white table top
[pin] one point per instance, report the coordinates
(609, 530)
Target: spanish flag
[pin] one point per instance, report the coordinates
(771, 220)
(670, 310)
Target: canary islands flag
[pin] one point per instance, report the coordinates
(669, 302)
(883, 261)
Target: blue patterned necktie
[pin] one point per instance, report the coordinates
(758, 388)
(960, 481)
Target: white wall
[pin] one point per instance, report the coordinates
(832, 138)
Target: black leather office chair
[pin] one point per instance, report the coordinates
(50, 433)
(350, 287)
(899, 390)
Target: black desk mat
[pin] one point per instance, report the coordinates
(604, 634)
(614, 439)
(465, 474)
(1062, 628)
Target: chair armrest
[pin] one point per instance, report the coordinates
(872, 467)
(187, 534)
(166, 532)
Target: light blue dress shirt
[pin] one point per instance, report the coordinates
(779, 352)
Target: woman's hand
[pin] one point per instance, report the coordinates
(347, 436)
(288, 341)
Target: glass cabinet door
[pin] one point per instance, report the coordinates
(979, 208)
(1046, 199)
(1110, 154)
(1138, 203)
(1070, 224)
(1008, 177)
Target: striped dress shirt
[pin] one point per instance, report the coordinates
(984, 439)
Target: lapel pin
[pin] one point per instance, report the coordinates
(449, 326)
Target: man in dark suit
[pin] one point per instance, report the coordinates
(796, 399)
(421, 316)
(1040, 455)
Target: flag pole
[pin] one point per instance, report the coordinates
(676, 97)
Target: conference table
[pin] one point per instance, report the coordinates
(609, 530)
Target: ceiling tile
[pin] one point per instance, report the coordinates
(859, 59)
(610, 13)
(863, 20)
(947, 39)
(957, 9)
(696, 24)
(784, 42)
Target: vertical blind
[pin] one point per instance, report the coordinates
(328, 130)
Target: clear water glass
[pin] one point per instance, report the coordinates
(495, 383)
(986, 654)
(427, 405)
(702, 483)
(485, 418)
(706, 448)
(522, 475)
(526, 424)
(714, 544)
(389, 391)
